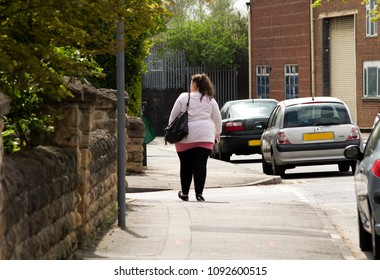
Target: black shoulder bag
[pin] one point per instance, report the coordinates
(178, 129)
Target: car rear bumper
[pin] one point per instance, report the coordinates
(283, 148)
(311, 156)
(239, 145)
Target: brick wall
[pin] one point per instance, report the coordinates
(280, 34)
(366, 49)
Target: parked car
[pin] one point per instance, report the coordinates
(308, 131)
(376, 119)
(367, 189)
(243, 122)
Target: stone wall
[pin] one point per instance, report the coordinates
(4, 109)
(101, 194)
(39, 198)
(53, 197)
(89, 127)
(135, 145)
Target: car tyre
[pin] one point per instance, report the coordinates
(365, 239)
(353, 168)
(343, 167)
(214, 154)
(375, 241)
(224, 156)
(277, 170)
(267, 168)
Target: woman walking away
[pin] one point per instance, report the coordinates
(205, 125)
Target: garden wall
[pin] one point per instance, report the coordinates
(53, 197)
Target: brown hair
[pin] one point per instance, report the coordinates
(204, 85)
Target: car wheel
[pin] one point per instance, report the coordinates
(353, 168)
(365, 240)
(214, 154)
(375, 241)
(224, 156)
(343, 167)
(267, 168)
(277, 170)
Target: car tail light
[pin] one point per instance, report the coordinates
(376, 168)
(354, 134)
(234, 126)
(281, 138)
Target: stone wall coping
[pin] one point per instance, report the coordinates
(4, 104)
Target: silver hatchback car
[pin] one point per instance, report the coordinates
(308, 131)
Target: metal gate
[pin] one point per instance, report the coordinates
(169, 70)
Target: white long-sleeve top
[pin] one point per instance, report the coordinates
(204, 117)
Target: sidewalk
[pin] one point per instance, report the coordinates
(162, 172)
(156, 216)
(253, 222)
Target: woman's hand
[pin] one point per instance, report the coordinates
(217, 137)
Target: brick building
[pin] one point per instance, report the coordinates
(332, 50)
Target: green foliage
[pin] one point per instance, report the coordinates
(212, 35)
(137, 49)
(42, 41)
(134, 89)
(26, 123)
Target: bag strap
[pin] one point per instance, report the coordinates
(188, 101)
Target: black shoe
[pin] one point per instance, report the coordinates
(200, 198)
(183, 196)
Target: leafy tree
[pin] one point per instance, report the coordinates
(138, 46)
(211, 33)
(42, 41)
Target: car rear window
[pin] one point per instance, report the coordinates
(251, 109)
(311, 114)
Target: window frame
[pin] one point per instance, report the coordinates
(262, 75)
(370, 26)
(367, 66)
(291, 81)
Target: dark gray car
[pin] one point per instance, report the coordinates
(367, 189)
(243, 122)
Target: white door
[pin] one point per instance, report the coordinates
(343, 61)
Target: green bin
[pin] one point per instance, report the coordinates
(149, 131)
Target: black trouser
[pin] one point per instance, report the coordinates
(193, 164)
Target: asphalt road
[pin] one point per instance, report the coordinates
(326, 189)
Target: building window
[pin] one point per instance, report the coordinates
(371, 79)
(291, 81)
(371, 25)
(262, 81)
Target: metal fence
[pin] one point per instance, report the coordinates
(169, 70)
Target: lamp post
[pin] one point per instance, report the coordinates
(120, 82)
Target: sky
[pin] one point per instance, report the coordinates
(240, 5)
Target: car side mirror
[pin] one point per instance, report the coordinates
(353, 152)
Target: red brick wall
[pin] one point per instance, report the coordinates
(366, 49)
(280, 34)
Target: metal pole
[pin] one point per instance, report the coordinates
(250, 95)
(312, 52)
(120, 77)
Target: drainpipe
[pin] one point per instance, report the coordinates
(249, 51)
(312, 49)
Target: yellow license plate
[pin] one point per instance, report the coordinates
(318, 136)
(254, 143)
